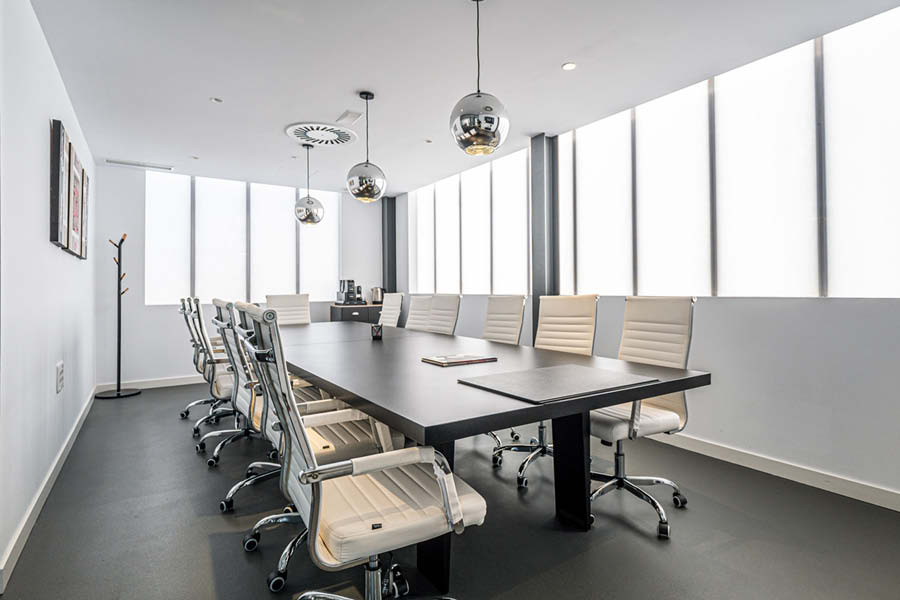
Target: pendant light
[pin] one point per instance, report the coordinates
(479, 123)
(308, 210)
(365, 181)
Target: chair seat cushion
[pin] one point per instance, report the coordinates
(383, 511)
(223, 384)
(341, 441)
(611, 423)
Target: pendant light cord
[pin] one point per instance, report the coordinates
(367, 130)
(307, 170)
(478, 45)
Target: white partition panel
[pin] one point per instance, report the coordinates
(220, 239)
(446, 235)
(475, 197)
(167, 243)
(273, 236)
(510, 223)
(425, 240)
(565, 185)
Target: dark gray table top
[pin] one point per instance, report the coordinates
(388, 380)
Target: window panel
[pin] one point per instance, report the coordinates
(603, 190)
(672, 147)
(320, 249)
(167, 244)
(862, 93)
(273, 253)
(510, 223)
(425, 239)
(446, 236)
(475, 188)
(565, 186)
(766, 177)
(221, 239)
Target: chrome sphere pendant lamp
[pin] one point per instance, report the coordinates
(366, 182)
(308, 210)
(479, 123)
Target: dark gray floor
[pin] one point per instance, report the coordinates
(134, 515)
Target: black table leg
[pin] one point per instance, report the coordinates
(433, 556)
(571, 469)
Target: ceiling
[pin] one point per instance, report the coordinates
(140, 72)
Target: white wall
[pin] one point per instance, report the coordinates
(46, 295)
(361, 243)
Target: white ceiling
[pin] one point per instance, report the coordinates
(140, 72)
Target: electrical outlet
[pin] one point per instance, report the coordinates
(60, 376)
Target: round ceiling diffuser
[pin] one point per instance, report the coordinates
(323, 135)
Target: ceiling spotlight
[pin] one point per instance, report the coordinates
(215, 100)
(427, 141)
(569, 66)
(478, 123)
(195, 157)
(307, 209)
(366, 182)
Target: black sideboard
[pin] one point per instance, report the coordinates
(364, 313)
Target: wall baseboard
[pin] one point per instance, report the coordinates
(829, 482)
(146, 384)
(17, 544)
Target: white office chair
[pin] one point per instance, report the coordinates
(657, 331)
(444, 313)
(565, 324)
(359, 508)
(292, 309)
(199, 355)
(215, 371)
(419, 313)
(390, 309)
(503, 323)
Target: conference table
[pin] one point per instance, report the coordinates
(387, 380)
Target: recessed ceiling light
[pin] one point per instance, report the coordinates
(195, 157)
(215, 100)
(427, 141)
(569, 66)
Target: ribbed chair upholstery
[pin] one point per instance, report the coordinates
(292, 309)
(656, 331)
(390, 309)
(565, 324)
(419, 313)
(444, 313)
(215, 371)
(503, 322)
(411, 494)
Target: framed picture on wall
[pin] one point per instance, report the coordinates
(75, 191)
(59, 184)
(85, 196)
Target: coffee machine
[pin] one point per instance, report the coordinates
(348, 294)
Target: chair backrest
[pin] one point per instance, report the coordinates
(566, 324)
(292, 309)
(444, 313)
(503, 322)
(390, 309)
(419, 313)
(186, 310)
(657, 331)
(245, 400)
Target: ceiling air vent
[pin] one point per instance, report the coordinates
(322, 135)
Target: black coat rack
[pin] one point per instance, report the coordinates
(118, 392)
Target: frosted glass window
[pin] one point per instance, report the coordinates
(220, 239)
(603, 206)
(510, 223)
(167, 244)
(475, 190)
(412, 246)
(862, 93)
(672, 146)
(425, 240)
(766, 177)
(446, 235)
(273, 252)
(320, 248)
(565, 186)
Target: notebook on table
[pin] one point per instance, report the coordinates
(549, 384)
(454, 360)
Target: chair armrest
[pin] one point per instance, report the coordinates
(218, 361)
(634, 422)
(333, 417)
(319, 406)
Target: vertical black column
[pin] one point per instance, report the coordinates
(389, 243)
(544, 276)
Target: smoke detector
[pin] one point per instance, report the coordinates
(323, 135)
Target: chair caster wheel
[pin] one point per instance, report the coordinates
(200, 448)
(522, 482)
(533, 441)
(214, 420)
(196, 432)
(184, 414)
(272, 455)
(251, 542)
(496, 460)
(289, 509)
(276, 581)
(212, 461)
(226, 505)
(514, 436)
(679, 500)
(662, 531)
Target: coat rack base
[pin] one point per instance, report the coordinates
(113, 394)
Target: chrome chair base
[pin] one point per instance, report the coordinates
(184, 414)
(251, 540)
(620, 481)
(213, 417)
(537, 448)
(381, 582)
(227, 505)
